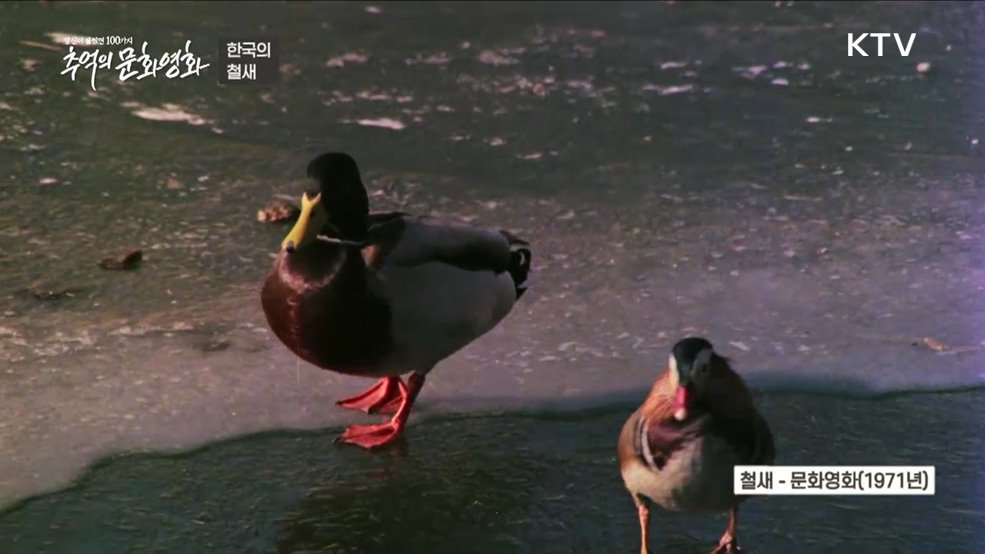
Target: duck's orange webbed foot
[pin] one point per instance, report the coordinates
(371, 436)
(379, 434)
(384, 397)
(727, 545)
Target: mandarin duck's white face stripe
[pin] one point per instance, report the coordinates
(675, 379)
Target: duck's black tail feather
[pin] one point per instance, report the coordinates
(519, 261)
(520, 269)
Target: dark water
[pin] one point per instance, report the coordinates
(511, 483)
(722, 169)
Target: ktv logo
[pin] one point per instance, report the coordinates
(854, 43)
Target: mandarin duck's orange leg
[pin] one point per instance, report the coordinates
(372, 436)
(383, 397)
(644, 514)
(728, 544)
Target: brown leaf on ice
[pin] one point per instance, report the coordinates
(934, 344)
(127, 262)
(278, 210)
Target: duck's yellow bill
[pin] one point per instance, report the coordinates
(307, 226)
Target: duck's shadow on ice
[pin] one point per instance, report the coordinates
(763, 385)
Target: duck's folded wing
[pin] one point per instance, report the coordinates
(764, 451)
(380, 218)
(750, 437)
(409, 241)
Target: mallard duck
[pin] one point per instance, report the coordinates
(678, 449)
(385, 294)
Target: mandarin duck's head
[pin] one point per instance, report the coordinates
(690, 365)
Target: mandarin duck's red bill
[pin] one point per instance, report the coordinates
(384, 294)
(679, 448)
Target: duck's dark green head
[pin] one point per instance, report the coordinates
(336, 204)
(343, 196)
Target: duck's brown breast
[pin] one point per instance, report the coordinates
(685, 471)
(317, 303)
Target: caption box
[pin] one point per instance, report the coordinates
(253, 60)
